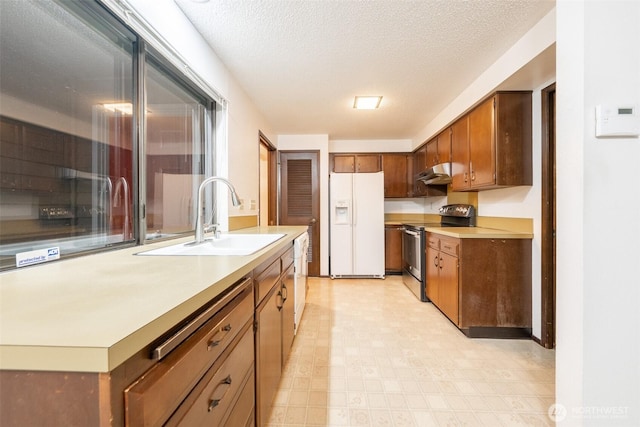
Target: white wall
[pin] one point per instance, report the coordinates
(533, 43)
(598, 269)
(311, 143)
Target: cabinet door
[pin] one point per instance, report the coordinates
(288, 315)
(460, 154)
(344, 163)
(432, 153)
(433, 273)
(368, 163)
(419, 165)
(392, 249)
(448, 286)
(482, 149)
(444, 146)
(396, 179)
(268, 354)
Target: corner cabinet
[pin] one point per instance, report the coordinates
(491, 145)
(482, 285)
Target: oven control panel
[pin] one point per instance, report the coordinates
(459, 210)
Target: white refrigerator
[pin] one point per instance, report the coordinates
(356, 225)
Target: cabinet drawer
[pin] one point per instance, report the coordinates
(212, 400)
(449, 246)
(267, 280)
(243, 412)
(154, 396)
(287, 259)
(433, 241)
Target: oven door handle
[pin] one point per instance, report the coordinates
(411, 233)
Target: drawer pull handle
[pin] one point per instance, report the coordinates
(285, 293)
(435, 260)
(215, 402)
(279, 307)
(214, 342)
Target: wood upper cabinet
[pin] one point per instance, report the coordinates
(356, 163)
(432, 153)
(460, 154)
(396, 175)
(344, 163)
(419, 164)
(438, 150)
(497, 149)
(444, 146)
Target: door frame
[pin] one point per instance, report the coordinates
(272, 184)
(315, 224)
(548, 241)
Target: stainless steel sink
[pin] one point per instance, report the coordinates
(226, 244)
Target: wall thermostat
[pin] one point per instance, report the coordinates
(622, 120)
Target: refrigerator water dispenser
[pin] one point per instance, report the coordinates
(341, 212)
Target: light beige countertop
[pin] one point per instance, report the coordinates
(90, 314)
(479, 233)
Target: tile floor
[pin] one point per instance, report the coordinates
(368, 353)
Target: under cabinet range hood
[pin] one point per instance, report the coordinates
(436, 175)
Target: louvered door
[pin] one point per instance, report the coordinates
(300, 198)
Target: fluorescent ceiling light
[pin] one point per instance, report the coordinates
(125, 108)
(367, 102)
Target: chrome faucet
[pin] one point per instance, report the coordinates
(200, 212)
(121, 184)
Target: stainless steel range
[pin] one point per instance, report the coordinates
(414, 244)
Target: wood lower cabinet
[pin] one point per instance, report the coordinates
(201, 376)
(214, 398)
(288, 314)
(442, 274)
(274, 329)
(268, 353)
(393, 249)
(482, 285)
(220, 366)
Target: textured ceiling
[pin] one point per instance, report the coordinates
(302, 62)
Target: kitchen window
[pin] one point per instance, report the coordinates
(177, 126)
(103, 141)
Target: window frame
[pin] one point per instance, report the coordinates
(117, 17)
